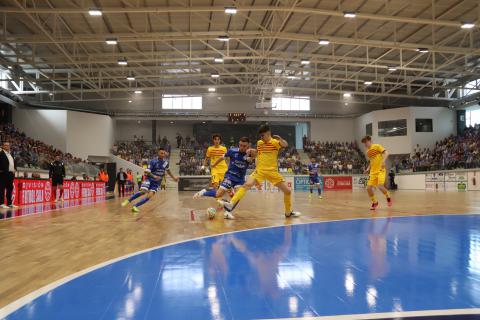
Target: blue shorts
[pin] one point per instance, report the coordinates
(230, 182)
(150, 185)
(314, 180)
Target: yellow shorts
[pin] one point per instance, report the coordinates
(377, 179)
(274, 177)
(217, 176)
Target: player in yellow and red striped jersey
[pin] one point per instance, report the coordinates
(214, 153)
(377, 155)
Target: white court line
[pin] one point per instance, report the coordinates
(394, 315)
(17, 304)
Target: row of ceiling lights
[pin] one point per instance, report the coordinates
(233, 10)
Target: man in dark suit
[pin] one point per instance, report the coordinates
(121, 181)
(7, 174)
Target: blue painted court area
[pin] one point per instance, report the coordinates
(331, 268)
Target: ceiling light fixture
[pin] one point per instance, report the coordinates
(305, 62)
(230, 10)
(129, 101)
(94, 12)
(212, 89)
(111, 41)
(223, 38)
(349, 14)
(324, 42)
(278, 90)
(130, 78)
(347, 95)
(138, 91)
(392, 68)
(122, 62)
(422, 50)
(218, 60)
(467, 25)
(215, 75)
(367, 83)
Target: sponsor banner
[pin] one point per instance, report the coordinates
(435, 177)
(473, 181)
(302, 183)
(191, 183)
(31, 191)
(337, 183)
(435, 185)
(71, 190)
(359, 181)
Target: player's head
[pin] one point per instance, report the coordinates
(243, 144)
(216, 139)
(162, 153)
(313, 159)
(367, 141)
(264, 132)
(57, 157)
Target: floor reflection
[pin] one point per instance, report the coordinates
(333, 268)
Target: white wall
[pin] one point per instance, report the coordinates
(165, 128)
(48, 126)
(125, 130)
(443, 126)
(342, 130)
(89, 134)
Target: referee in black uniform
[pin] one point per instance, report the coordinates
(57, 174)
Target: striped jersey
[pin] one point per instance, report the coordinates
(214, 153)
(374, 153)
(267, 158)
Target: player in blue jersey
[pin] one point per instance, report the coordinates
(154, 176)
(240, 158)
(313, 167)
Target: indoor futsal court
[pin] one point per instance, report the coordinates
(239, 159)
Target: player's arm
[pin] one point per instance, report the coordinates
(283, 142)
(172, 176)
(64, 174)
(367, 170)
(219, 160)
(252, 154)
(385, 155)
(206, 160)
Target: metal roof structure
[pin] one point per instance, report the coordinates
(382, 52)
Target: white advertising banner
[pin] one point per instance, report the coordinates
(359, 181)
(435, 181)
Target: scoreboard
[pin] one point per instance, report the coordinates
(237, 117)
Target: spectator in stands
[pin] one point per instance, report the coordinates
(74, 178)
(179, 140)
(103, 176)
(7, 175)
(121, 181)
(25, 175)
(129, 186)
(139, 178)
(57, 174)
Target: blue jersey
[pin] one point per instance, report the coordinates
(313, 169)
(158, 167)
(238, 163)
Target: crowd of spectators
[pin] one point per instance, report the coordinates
(31, 153)
(139, 151)
(454, 152)
(336, 157)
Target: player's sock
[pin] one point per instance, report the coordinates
(239, 195)
(287, 201)
(319, 191)
(386, 193)
(311, 190)
(135, 196)
(141, 202)
(373, 198)
(61, 194)
(210, 193)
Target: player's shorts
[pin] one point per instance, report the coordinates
(377, 179)
(217, 176)
(150, 185)
(230, 182)
(274, 177)
(57, 181)
(314, 180)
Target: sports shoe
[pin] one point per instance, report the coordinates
(374, 206)
(228, 206)
(320, 196)
(199, 194)
(135, 210)
(389, 202)
(293, 214)
(228, 215)
(4, 206)
(125, 202)
(12, 206)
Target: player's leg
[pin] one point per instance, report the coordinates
(287, 199)
(372, 183)
(319, 189)
(60, 187)
(150, 194)
(54, 190)
(141, 192)
(311, 187)
(251, 181)
(381, 187)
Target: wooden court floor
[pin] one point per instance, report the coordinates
(40, 249)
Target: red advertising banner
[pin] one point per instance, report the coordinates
(337, 182)
(30, 191)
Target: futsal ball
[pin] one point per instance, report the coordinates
(211, 213)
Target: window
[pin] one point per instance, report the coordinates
(178, 101)
(392, 128)
(472, 117)
(368, 129)
(4, 74)
(291, 103)
(423, 125)
(470, 88)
